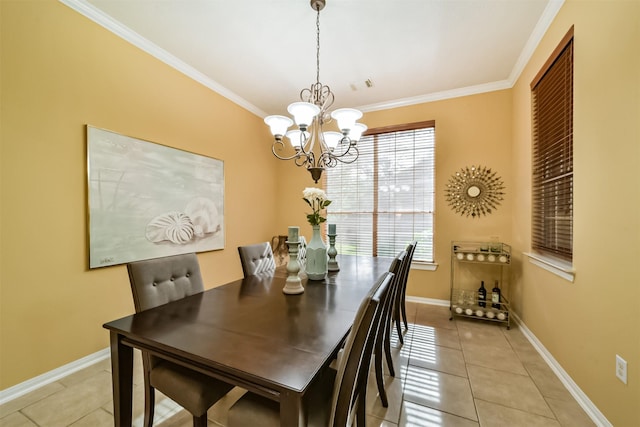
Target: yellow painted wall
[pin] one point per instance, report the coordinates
(60, 71)
(470, 130)
(586, 323)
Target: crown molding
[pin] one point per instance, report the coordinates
(124, 32)
(438, 96)
(104, 20)
(549, 14)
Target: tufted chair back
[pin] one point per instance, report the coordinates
(256, 259)
(302, 254)
(159, 281)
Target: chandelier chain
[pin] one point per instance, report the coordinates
(318, 45)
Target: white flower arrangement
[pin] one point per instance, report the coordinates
(317, 199)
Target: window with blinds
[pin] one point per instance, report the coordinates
(552, 160)
(385, 199)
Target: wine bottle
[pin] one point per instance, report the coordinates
(482, 295)
(495, 296)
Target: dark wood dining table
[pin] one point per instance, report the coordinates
(249, 333)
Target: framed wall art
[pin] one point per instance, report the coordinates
(148, 200)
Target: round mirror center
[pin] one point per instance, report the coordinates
(473, 191)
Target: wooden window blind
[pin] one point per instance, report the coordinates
(552, 159)
(385, 199)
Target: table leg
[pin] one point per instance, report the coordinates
(292, 411)
(122, 379)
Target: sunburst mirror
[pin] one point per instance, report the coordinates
(474, 191)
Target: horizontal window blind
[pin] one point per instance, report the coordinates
(552, 192)
(385, 199)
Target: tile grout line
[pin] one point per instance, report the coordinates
(403, 381)
(466, 368)
(477, 420)
(524, 365)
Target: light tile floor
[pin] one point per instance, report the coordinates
(448, 373)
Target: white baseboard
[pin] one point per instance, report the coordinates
(51, 376)
(430, 301)
(592, 411)
(587, 405)
(583, 400)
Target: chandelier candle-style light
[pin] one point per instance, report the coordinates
(311, 114)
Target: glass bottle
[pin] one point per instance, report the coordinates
(495, 296)
(482, 295)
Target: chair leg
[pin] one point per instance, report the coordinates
(200, 421)
(361, 413)
(404, 310)
(398, 328)
(379, 375)
(387, 351)
(149, 403)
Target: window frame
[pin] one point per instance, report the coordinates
(552, 178)
(376, 212)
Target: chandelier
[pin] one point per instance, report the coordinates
(310, 115)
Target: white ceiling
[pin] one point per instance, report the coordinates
(260, 54)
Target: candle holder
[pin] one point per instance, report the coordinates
(332, 264)
(293, 284)
(294, 232)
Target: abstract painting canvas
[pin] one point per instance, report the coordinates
(148, 200)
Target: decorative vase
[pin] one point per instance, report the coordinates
(316, 265)
(280, 250)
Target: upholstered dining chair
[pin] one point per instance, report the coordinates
(347, 385)
(400, 309)
(156, 282)
(383, 339)
(302, 254)
(256, 259)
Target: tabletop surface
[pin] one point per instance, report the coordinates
(251, 330)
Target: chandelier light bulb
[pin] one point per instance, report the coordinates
(346, 118)
(303, 113)
(278, 125)
(356, 132)
(297, 139)
(332, 139)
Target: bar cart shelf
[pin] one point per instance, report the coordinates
(489, 262)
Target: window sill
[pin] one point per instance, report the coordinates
(559, 268)
(427, 266)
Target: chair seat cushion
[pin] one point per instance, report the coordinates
(192, 390)
(255, 410)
